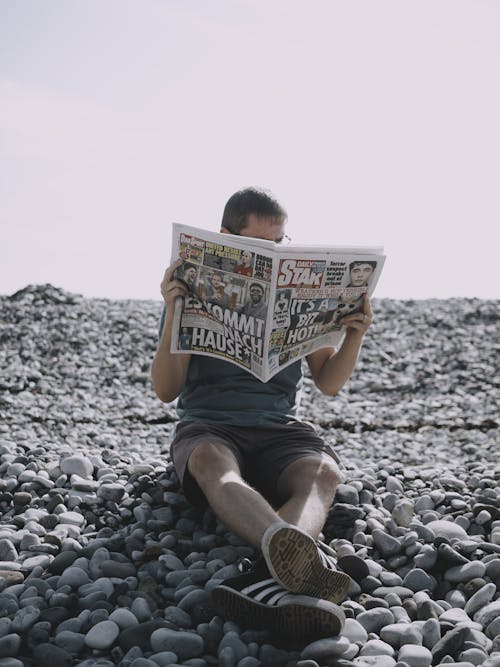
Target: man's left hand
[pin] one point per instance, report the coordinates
(359, 321)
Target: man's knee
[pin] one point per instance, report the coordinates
(325, 473)
(331, 476)
(311, 472)
(210, 458)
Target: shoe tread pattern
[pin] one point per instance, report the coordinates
(298, 567)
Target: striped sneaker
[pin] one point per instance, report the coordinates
(296, 562)
(254, 601)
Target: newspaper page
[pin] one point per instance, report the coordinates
(260, 305)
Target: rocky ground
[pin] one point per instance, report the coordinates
(102, 561)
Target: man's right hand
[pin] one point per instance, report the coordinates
(171, 287)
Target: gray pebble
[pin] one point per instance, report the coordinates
(102, 635)
(375, 619)
(50, 654)
(164, 658)
(487, 613)
(464, 573)
(123, 618)
(9, 645)
(418, 580)
(385, 543)
(184, 644)
(324, 650)
(73, 642)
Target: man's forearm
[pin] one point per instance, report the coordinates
(337, 370)
(168, 371)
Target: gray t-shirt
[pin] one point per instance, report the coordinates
(220, 391)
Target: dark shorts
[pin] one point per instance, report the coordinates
(262, 452)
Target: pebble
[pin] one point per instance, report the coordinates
(324, 650)
(448, 529)
(418, 580)
(183, 644)
(98, 543)
(102, 635)
(464, 573)
(488, 613)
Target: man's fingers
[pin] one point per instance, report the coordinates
(171, 269)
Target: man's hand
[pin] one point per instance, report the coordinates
(171, 287)
(359, 321)
(330, 369)
(169, 371)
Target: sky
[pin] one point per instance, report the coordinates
(374, 122)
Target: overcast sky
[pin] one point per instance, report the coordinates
(373, 121)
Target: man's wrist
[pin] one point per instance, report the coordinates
(354, 336)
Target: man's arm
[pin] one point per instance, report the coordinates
(330, 369)
(169, 371)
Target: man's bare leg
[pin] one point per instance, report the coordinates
(309, 485)
(240, 507)
(293, 560)
(290, 548)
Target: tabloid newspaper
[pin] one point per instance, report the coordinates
(263, 305)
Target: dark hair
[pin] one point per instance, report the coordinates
(372, 263)
(256, 285)
(243, 203)
(187, 265)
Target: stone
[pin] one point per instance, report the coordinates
(102, 635)
(448, 529)
(415, 656)
(418, 580)
(386, 544)
(76, 464)
(183, 644)
(9, 645)
(487, 613)
(480, 599)
(50, 654)
(323, 650)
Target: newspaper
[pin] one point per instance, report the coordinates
(263, 305)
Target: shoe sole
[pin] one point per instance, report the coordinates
(301, 620)
(293, 560)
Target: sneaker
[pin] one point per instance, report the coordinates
(254, 600)
(296, 562)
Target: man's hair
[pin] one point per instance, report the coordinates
(243, 203)
(187, 265)
(256, 285)
(372, 263)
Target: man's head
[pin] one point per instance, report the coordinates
(256, 292)
(360, 272)
(255, 213)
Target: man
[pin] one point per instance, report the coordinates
(256, 306)
(267, 475)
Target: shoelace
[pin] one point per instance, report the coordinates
(327, 559)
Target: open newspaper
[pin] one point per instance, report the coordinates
(262, 305)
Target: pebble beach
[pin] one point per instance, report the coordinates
(103, 562)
